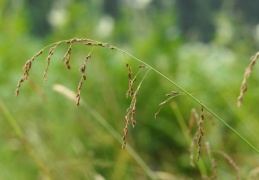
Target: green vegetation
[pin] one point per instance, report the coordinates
(45, 135)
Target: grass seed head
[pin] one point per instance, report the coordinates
(248, 71)
(83, 78)
(51, 51)
(125, 130)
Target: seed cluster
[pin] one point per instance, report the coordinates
(65, 59)
(51, 51)
(131, 111)
(201, 133)
(125, 130)
(248, 71)
(26, 70)
(130, 91)
(83, 78)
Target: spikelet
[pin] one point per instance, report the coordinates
(51, 51)
(248, 71)
(131, 111)
(125, 130)
(66, 57)
(83, 78)
(200, 134)
(26, 70)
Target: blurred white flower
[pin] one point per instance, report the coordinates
(105, 26)
(57, 17)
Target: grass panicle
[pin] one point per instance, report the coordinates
(66, 57)
(26, 69)
(170, 96)
(51, 51)
(248, 71)
(131, 112)
(130, 91)
(83, 78)
(125, 130)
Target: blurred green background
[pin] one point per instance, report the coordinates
(204, 46)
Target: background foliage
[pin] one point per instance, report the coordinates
(202, 45)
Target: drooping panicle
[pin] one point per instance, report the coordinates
(248, 71)
(83, 78)
(51, 51)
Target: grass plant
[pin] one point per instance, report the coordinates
(133, 90)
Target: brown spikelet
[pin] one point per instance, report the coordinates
(112, 47)
(141, 66)
(130, 91)
(71, 41)
(201, 133)
(66, 57)
(51, 51)
(130, 116)
(248, 71)
(131, 111)
(83, 78)
(125, 130)
(26, 70)
(38, 53)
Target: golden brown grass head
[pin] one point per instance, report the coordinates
(83, 78)
(248, 71)
(131, 111)
(51, 51)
